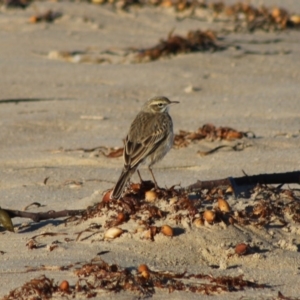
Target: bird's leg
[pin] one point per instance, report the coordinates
(155, 183)
(147, 185)
(138, 171)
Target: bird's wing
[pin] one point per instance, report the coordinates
(138, 146)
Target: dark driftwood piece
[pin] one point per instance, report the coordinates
(279, 178)
(37, 217)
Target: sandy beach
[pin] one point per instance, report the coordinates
(75, 84)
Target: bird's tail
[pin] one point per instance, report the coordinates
(120, 185)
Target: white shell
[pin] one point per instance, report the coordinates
(113, 233)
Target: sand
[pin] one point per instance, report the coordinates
(83, 105)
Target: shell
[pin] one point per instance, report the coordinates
(198, 222)
(229, 190)
(98, 1)
(150, 196)
(276, 12)
(167, 230)
(135, 187)
(113, 233)
(146, 234)
(64, 286)
(173, 200)
(106, 198)
(223, 205)
(295, 19)
(209, 216)
(33, 19)
(140, 229)
(144, 271)
(121, 217)
(145, 274)
(241, 249)
(142, 268)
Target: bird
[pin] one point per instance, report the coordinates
(149, 139)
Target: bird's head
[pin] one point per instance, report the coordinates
(158, 104)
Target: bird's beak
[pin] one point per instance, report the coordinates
(174, 102)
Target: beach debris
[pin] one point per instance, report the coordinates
(77, 57)
(195, 41)
(98, 275)
(209, 216)
(35, 204)
(32, 244)
(5, 220)
(198, 222)
(235, 147)
(16, 3)
(144, 271)
(37, 288)
(251, 18)
(106, 196)
(113, 233)
(145, 281)
(191, 89)
(223, 205)
(93, 229)
(167, 230)
(117, 220)
(109, 152)
(271, 206)
(241, 249)
(121, 218)
(53, 246)
(64, 286)
(48, 16)
(242, 14)
(211, 133)
(150, 196)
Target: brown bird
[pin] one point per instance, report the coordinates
(149, 139)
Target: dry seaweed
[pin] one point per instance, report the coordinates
(249, 17)
(37, 288)
(98, 275)
(243, 15)
(195, 41)
(106, 151)
(236, 147)
(133, 202)
(33, 244)
(271, 205)
(209, 132)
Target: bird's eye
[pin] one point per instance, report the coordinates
(160, 105)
